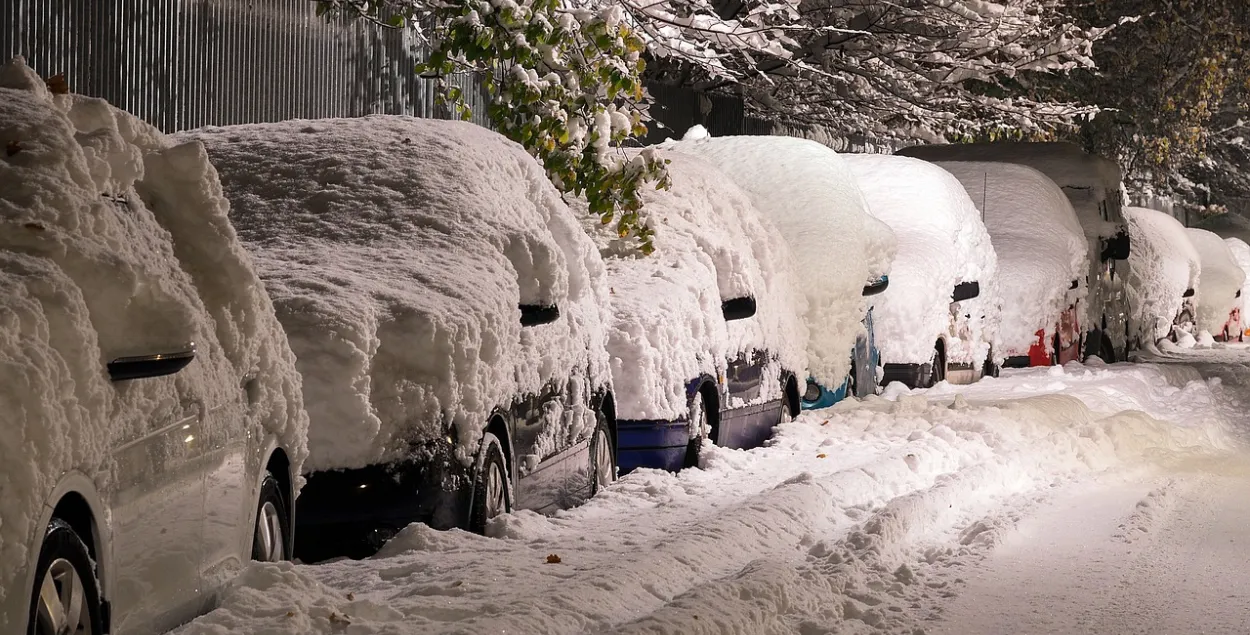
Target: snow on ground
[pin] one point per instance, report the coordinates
(874, 516)
(1219, 282)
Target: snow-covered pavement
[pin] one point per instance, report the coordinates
(1084, 499)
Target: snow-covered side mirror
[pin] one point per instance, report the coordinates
(1189, 293)
(537, 314)
(144, 366)
(878, 286)
(1116, 248)
(1238, 295)
(1076, 284)
(966, 291)
(738, 308)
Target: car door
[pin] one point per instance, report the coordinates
(744, 426)
(229, 502)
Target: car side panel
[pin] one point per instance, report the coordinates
(229, 502)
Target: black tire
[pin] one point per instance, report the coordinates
(271, 533)
(489, 502)
(698, 407)
(1106, 350)
(852, 386)
(62, 554)
(1054, 356)
(990, 369)
(937, 369)
(601, 475)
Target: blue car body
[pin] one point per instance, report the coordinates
(864, 361)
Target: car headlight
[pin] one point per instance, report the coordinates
(813, 391)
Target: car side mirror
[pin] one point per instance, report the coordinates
(738, 308)
(966, 291)
(145, 366)
(1238, 294)
(1189, 293)
(537, 314)
(1116, 248)
(1076, 284)
(877, 286)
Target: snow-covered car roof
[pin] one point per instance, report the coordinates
(114, 242)
(809, 193)
(397, 251)
(1040, 246)
(1219, 281)
(941, 243)
(667, 327)
(1241, 255)
(1163, 265)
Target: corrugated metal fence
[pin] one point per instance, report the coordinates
(182, 64)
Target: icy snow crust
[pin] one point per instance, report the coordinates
(114, 242)
(1039, 243)
(1162, 266)
(941, 242)
(397, 250)
(1241, 255)
(809, 193)
(1219, 282)
(667, 327)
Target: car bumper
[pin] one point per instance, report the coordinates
(911, 375)
(655, 444)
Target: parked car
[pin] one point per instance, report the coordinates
(809, 193)
(151, 412)
(1219, 285)
(704, 334)
(1235, 328)
(939, 316)
(1093, 185)
(444, 307)
(1164, 271)
(1042, 260)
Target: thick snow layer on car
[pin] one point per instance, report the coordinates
(667, 327)
(114, 242)
(1219, 282)
(1241, 255)
(1040, 246)
(1162, 266)
(397, 251)
(941, 242)
(810, 194)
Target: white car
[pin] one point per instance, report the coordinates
(444, 305)
(1042, 260)
(1236, 327)
(1219, 285)
(1164, 273)
(843, 252)
(152, 419)
(939, 316)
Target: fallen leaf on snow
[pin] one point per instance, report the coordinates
(822, 455)
(553, 559)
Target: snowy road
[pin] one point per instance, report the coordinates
(1100, 500)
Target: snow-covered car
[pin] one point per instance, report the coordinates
(444, 305)
(807, 191)
(1235, 329)
(705, 337)
(1093, 186)
(1042, 260)
(152, 427)
(1164, 271)
(1219, 284)
(938, 318)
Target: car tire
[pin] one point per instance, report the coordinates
(937, 369)
(1106, 350)
(271, 534)
(698, 408)
(852, 379)
(602, 456)
(492, 491)
(991, 369)
(65, 571)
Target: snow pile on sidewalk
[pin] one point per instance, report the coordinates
(667, 327)
(809, 193)
(1162, 266)
(1040, 246)
(397, 251)
(941, 243)
(1219, 282)
(114, 242)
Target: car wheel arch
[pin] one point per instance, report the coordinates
(74, 496)
(498, 426)
(607, 405)
(790, 392)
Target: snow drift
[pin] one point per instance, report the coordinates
(114, 242)
(1039, 243)
(810, 194)
(667, 327)
(397, 251)
(941, 242)
(1163, 265)
(1219, 282)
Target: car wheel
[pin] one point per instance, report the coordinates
(492, 494)
(602, 456)
(271, 540)
(700, 417)
(1106, 350)
(66, 598)
(852, 381)
(990, 369)
(937, 369)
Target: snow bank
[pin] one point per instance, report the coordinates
(115, 242)
(941, 242)
(810, 194)
(397, 251)
(667, 326)
(1039, 243)
(1241, 255)
(1162, 266)
(1219, 282)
